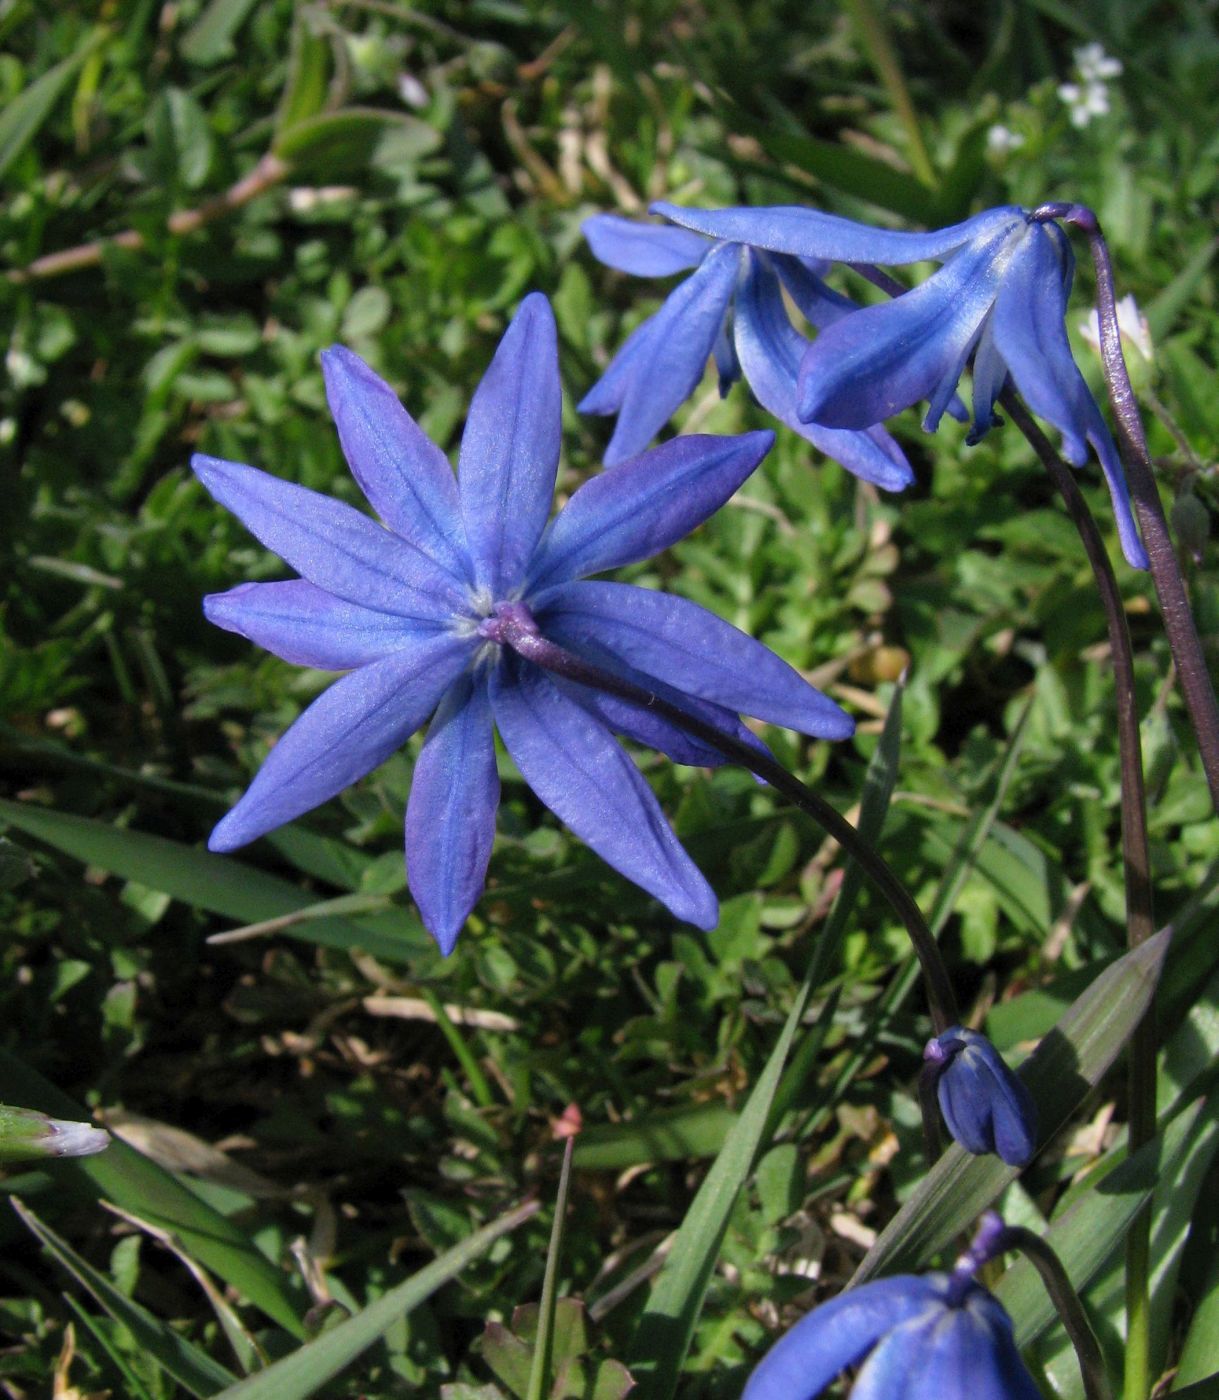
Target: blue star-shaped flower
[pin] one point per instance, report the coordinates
(413, 613)
(987, 1107)
(731, 306)
(929, 1337)
(1000, 297)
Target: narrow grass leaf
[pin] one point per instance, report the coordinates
(309, 1367)
(1086, 1233)
(544, 1341)
(665, 1330)
(668, 1136)
(215, 883)
(210, 38)
(190, 1367)
(139, 1185)
(22, 118)
(1066, 1064)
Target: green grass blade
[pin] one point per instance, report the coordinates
(210, 38)
(215, 883)
(665, 1330)
(670, 1135)
(311, 1366)
(22, 118)
(1087, 1232)
(140, 1186)
(189, 1366)
(543, 1345)
(1067, 1063)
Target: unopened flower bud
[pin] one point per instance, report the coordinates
(26, 1134)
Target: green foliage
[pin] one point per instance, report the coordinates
(325, 1127)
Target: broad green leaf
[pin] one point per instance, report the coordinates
(312, 1365)
(1086, 1233)
(210, 38)
(345, 140)
(1201, 1348)
(663, 1336)
(215, 883)
(309, 65)
(141, 1187)
(22, 118)
(1066, 1064)
(189, 1366)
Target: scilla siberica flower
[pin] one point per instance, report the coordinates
(986, 1105)
(930, 1337)
(731, 306)
(415, 611)
(1001, 296)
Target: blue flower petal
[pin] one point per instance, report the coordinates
(986, 1105)
(332, 545)
(662, 361)
(869, 366)
(817, 302)
(806, 233)
(770, 350)
(693, 651)
(989, 377)
(510, 449)
(639, 722)
(583, 775)
(838, 1334)
(407, 479)
(647, 250)
(450, 817)
(346, 732)
(898, 1366)
(645, 505)
(1111, 464)
(308, 626)
(1000, 1374)
(1030, 331)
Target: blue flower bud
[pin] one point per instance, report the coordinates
(986, 1106)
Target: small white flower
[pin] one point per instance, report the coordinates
(1001, 139)
(1094, 65)
(1132, 327)
(1085, 100)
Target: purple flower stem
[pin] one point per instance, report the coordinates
(929, 1108)
(1165, 569)
(512, 625)
(1064, 1297)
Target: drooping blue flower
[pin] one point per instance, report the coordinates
(1000, 297)
(407, 610)
(987, 1107)
(930, 1337)
(731, 306)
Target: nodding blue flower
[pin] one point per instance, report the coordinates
(930, 1337)
(1000, 297)
(414, 610)
(987, 1107)
(731, 306)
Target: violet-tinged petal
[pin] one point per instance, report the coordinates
(986, 1106)
(692, 650)
(607, 394)
(306, 625)
(346, 732)
(838, 1334)
(960, 1355)
(332, 545)
(770, 350)
(645, 505)
(1111, 464)
(806, 233)
(407, 479)
(660, 364)
(1030, 332)
(639, 722)
(869, 366)
(817, 302)
(450, 817)
(583, 775)
(510, 449)
(646, 250)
